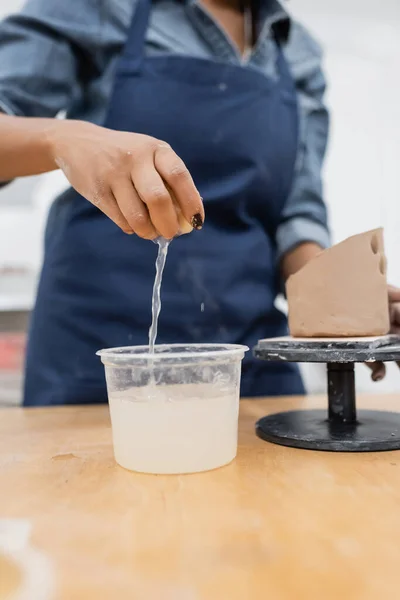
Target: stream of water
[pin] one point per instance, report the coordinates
(163, 245)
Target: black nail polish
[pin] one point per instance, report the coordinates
(197, 221)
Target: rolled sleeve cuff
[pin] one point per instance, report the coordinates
(6, 109)
(299, 230)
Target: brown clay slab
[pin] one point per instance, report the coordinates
(342, 292)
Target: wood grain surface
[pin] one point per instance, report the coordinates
(276, 524)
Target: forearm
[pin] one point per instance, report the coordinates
(25, 147)
(295, 259)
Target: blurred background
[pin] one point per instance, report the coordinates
(361, 39)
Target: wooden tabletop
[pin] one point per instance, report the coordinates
(276, 524)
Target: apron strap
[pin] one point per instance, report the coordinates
(137, 32)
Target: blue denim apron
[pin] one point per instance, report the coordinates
(236, 130)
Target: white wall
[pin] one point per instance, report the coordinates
(362, 44)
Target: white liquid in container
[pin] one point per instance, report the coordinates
(170, 429)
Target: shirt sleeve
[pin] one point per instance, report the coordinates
(304, 218)
(47, 51)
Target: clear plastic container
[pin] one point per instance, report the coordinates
(174, 411)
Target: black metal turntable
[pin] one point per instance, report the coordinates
(341, 428)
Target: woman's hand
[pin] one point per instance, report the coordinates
(378, 368)
(136, 180)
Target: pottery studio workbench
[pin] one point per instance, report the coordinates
(278, 523)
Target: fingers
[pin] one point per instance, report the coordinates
(153, 193)
(378, 371)
(394, 293)
(174, 172)
(394, 309)
(395, 318)
(133, 209)
(147, 189)
(108, 205)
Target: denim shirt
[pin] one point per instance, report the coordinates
(60, 55)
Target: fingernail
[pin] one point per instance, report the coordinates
(197, 221)
(128, 231)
